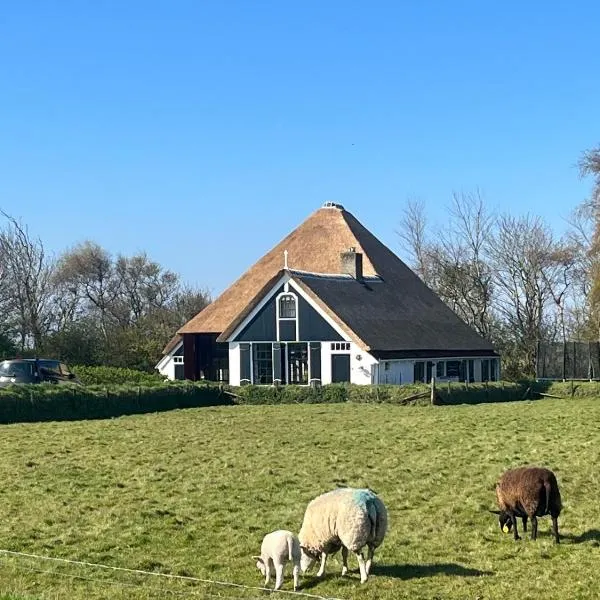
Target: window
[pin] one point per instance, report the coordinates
(439, 368)
(287, 307)
(453, 368)
(340, 346)
(262, 360)
(485, 369)
(489, 369)
(419, 372)
(298, 363)
(178, 360)
(287, 317)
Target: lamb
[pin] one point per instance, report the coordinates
(346, 518)
(279, 547)
(528, 492)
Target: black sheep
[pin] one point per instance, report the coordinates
(528, 492)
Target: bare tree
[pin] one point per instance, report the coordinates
(455, 266)
(27, 276)
(412, 233)
(523, 253)
(88, 273)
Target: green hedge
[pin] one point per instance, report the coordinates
(567, 389)
(115, 376)
(48, 402)
(454, 393)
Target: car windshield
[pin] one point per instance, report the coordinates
(50, 367)
(10, 368)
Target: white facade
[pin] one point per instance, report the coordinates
(171, 362)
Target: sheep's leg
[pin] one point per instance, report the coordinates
(514, 522)
(267, 571)
(321, 571)
(344, 560)
(296, 574)
(555, 528)
(370, 555)
(534, 525)
(362, 567)
(278, 576)
(525, 523)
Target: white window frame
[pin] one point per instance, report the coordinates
(296, 318)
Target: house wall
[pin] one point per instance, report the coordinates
(402, 371)
(166, 365)
(362, 366)
(396, 372)
(234, 363)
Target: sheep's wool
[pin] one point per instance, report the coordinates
(347, 516)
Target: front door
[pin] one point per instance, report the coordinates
(340, 368)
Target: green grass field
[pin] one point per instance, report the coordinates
(192, 492)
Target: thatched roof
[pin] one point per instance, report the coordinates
(172, 343)
(313, 246)
(395, 318)
(392, 310)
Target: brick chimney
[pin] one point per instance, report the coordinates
(351, 263)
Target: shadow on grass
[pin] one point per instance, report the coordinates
(592, 535)
(405, 571)
(408, 571)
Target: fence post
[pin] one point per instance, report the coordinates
(432, 390)
(564, 369)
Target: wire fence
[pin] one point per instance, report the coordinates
(568, 360)
(188, 586)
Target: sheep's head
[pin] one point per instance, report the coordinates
(308, 558)
(504, 520)
(260, 565)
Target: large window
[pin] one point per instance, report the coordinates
(453, 368)
(297, 359)
(262, 360)
(489, 368)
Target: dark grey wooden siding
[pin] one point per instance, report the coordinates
(313, 326)
(263, 327)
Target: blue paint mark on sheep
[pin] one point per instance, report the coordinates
(364, 498)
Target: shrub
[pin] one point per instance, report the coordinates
(48, 402)
(115, 376)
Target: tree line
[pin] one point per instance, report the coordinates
(511, 277)
(87, 306)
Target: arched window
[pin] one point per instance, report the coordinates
(287, 307)
(287, 317)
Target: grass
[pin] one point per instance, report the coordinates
(192, 492)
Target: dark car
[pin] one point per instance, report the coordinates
(35, 370)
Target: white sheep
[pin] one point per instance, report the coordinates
(346, 518)
(279, 547)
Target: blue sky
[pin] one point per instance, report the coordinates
(204, 131)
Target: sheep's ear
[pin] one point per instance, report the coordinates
(494, 512)
(258, 558)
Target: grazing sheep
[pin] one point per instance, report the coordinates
(346, 518)
(279, 547)
(528, 492)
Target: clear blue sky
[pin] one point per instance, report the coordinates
(204, 131)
